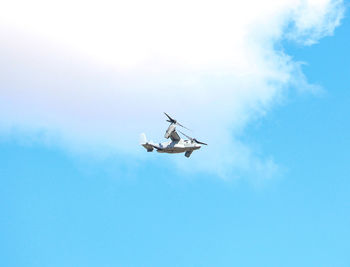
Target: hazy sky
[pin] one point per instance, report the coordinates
(265, 84)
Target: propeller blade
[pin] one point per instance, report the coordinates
(170, 118)
(182, 126)
(193, 139)
(198, 142)
(189, 138)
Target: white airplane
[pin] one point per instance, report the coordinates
(176, 145)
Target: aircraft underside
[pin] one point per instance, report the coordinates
(176, 150)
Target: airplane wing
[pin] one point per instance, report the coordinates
(174, 136)
(157, 147)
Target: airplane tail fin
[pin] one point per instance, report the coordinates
(143, 139)
(143, 142)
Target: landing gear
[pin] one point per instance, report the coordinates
(188, 154)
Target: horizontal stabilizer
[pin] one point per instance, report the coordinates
(144, 143)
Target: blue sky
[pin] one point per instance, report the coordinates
(64, 208)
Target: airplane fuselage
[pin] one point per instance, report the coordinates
(180, 146)
(177, 146)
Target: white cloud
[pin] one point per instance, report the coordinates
(97, 73)
(314, 20)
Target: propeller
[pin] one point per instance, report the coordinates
(193, 139)
(171, 120)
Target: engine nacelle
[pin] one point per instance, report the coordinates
(169, 131)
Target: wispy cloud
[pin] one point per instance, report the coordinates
(96, 74)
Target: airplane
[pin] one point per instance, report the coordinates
(177, 144)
